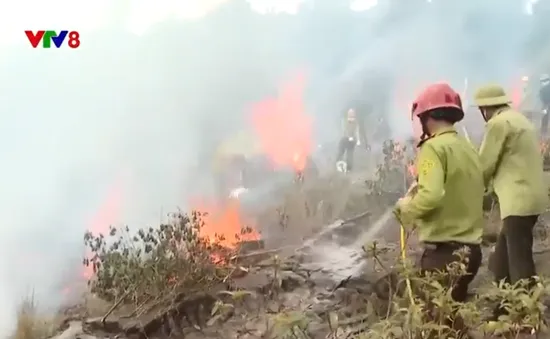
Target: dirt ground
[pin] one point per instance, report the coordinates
(314, 232)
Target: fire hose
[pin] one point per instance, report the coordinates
(403, 243)
(379, 224)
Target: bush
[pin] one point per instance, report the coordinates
(150, 263)
(432, 313)
(392, 175)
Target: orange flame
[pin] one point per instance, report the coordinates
(518, 91)
(283, 127)
(105, 217)
(222, 222)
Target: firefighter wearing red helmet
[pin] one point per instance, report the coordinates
(446, 209)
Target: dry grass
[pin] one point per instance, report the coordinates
(30, 324)
(304, 210)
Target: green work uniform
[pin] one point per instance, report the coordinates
(448, 206)
(510, 157)
(241, 145)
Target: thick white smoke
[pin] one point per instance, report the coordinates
(127, 121)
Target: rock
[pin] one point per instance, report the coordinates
(273, 306)
(321, 279)
(256, 327)
(322, 293)
(251, 245)
(266, 262)
(291, 281)
(93, 305)
(361, 284)
(252, 304)
(95, 324)
(292, 300)
(321, 307)
(192, 310)
(345, 295)
(206, 334)
(260, 258)
(74, 331)
(254, 281)
(317, 329)
(250, 336)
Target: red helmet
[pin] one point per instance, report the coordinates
(436, 96)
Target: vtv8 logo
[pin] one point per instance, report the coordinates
(47, 37)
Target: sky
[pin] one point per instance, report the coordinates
(16, 16)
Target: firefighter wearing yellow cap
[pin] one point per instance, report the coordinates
(511, 160)
(544, 95)
(232, 158)
(350, 138)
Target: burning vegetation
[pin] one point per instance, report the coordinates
(207, 274)
(196, 276)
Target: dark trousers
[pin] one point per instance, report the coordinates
(346, 148)
(544, 125)
(512, 259)
(233, 174)
(436, 257)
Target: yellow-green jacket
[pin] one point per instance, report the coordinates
(448, 205)
(510, 157)
(240, 145)
(350, 129)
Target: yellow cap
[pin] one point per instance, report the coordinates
(491, 95)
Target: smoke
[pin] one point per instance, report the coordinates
(416, 43)
(122, 129)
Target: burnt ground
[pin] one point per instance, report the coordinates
(311, 267)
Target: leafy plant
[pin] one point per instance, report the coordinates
(432, 312)
(289, 325)
(171, 258)
(523, 306)
(392, 174)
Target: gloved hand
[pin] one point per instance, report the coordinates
(413, 188)
(341, 166)
(237, 192)
(400, 206)
(358, 143)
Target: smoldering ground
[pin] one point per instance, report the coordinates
(122, 129)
